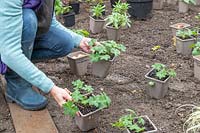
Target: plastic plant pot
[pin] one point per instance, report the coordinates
(178, 26)
(182, 7)
(101, 68)
(197, 2)
(96, 25)
(155, 130)
(197, 66)
(88, 121)
(69, 19)
(140, 9)
(183, 46)
(158, 4)
(159, 89)
(75, 6)
(112, 33)
(78, 62)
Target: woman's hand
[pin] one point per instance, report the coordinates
(60, 95)
(84, 45)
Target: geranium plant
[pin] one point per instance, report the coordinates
(131, 122)
(106, 50)
(186, 33)
(81, 101)
(196, 49)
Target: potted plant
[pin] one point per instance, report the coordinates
(114, 23)
(88, 108)
(103, 55)
(158, 79)
(122, 8)
(96, 20)
(196, 57)
(158, 4)
(178, 26)
(78, 62)
(132, 123)
(75, 4)
(184, 5)
(184, 40)
(140, 9)
(66, 13)
(82, 87)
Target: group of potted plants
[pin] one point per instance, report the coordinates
(64, 13)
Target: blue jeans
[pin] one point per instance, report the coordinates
(53, 44)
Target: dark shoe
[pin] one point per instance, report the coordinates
(20, 91)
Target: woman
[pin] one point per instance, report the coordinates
(20, 43)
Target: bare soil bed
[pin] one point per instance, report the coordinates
(125, 83)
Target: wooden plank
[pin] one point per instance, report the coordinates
(31, 121)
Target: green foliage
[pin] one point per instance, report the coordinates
(186, 33)
(196, 49)
(129, 122)
(99, 101)
(162, 71)
(60, 9)
(117, 20)
(121, 8)
(82, 32)
(106, 51)
(189, 1)
(98, 10)
(80, 85)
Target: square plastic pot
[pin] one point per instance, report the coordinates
(158, 4)
(197, 66)
(155, 130)
(88, 121)
(78, 62)
(112, 33)
(96, 25)
(69, 19)
(197, 2)
(101, 68)
(183, 46)
(159, 89)
(182, 7)
(178, 26)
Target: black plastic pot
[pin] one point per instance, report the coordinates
(75, 7)
(69, 19)
(140, 9)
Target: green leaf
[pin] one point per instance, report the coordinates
(70, 108)
(78, 84)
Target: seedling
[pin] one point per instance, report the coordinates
(97, 11)
(186, 33)
(131, 122)
(106, 50)
(155, 48)
(82, 32)
(117, 20)
(196, 49)
(60, 9)
(121, 8)
(80, 85)
(162, 71)
(80, 101)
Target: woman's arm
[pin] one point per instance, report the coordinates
(10, 45)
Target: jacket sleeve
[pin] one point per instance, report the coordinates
(11, 24)
(76, 37)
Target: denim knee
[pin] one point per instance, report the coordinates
(29, 25)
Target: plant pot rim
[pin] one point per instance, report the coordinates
(77, 52)
(190, 39)
(111, 60)
(71, 13)
(97, 20)
(90, 113)
(197, 57)
(146, 76)
(185, 25)
(155, 128)
(110, 27)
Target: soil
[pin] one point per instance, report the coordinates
(86, 109)
(126, 83)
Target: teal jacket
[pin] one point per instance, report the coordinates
(10, 44)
